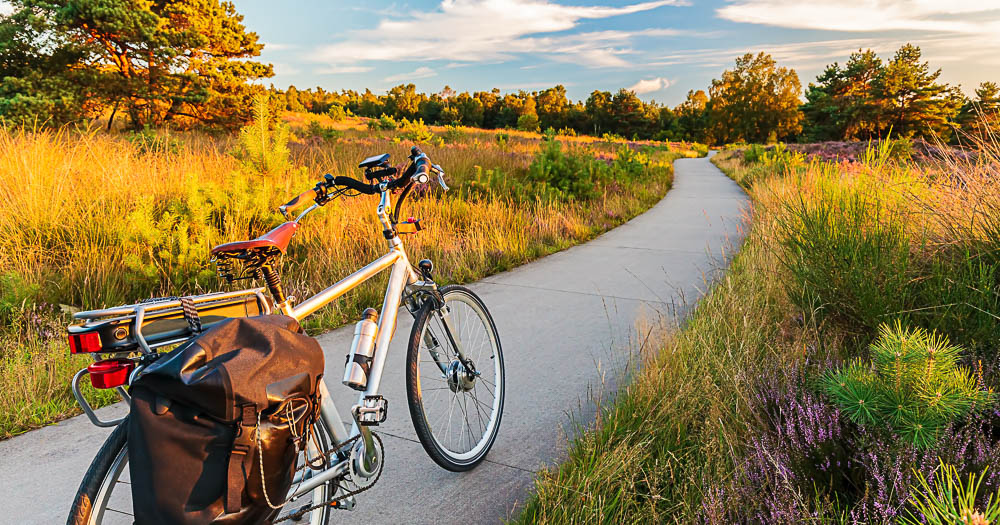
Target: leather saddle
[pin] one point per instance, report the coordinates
(276, 239)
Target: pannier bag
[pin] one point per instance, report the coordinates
(207, 415)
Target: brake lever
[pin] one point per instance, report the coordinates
(440, 173)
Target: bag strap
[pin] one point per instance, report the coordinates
(191, 314)
(240, 458)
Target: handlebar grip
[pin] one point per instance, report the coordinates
(302, 199)
(355, 184)
(422, 169)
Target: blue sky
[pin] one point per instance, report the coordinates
(659, 48)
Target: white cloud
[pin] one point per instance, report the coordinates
(496, 30)
(961, 16)
(338, 70)
(273, 46)
(420, 72)
(651, 85)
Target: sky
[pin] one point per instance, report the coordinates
(658, 48)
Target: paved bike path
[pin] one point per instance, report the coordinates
(566, 323)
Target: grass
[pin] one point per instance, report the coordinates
(833, 251)
(92, 219)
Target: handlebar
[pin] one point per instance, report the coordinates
(418, 171)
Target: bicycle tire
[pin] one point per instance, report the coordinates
(432, 445)
(82, 510)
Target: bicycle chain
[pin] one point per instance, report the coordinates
(297, 515)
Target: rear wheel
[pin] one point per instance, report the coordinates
(105, 495)
(455, 401)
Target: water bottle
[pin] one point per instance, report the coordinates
(359, 361)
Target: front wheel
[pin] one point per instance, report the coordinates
(455, 397)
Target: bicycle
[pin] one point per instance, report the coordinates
(453, 355)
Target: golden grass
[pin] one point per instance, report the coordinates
(92, 220)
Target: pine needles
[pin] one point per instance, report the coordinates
(913, 384)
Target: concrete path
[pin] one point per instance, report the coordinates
(565, 322)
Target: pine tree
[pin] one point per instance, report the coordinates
(841, 104)
(912, 102)
(913, 384)
(183, 60)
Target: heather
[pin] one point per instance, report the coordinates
(842, 371)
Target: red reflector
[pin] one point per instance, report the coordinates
(110, 373)
(84, 343)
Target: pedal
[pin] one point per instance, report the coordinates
(372, 411)
(347, 503)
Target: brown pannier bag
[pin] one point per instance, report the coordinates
(205, 416)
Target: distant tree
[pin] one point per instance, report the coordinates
(469, 109)
(158, 61)
(628, 115)
(841, 105)
(403, 101)
(370, 105)
(981, 116)
(692, 117)
(757, 101)
(552, 105)
(912, 101)
(598, 107)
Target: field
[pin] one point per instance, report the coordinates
(844, 371)
(92, 219)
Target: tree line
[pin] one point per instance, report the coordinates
(755, 101)
(189, 63)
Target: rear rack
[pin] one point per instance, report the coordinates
(162, 322)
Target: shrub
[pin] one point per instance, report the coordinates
(913, 384)
(527, 122)
(567, 132)
(337, 112)
(417, 131)
(318, 130)
(612, 137)
(502, 139)
(575, 174)
(263, 144)
(452, 134)
(384, 123)
(754, 153)
(630, 162)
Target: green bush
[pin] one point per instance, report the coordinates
(417, 131)
(612, 137)
(575, 175)
(502, 139)
(452, 134)
(753, 153)
(629, 162)
(567, 132)
(527, 122)
(913, 384)
(384, 123)
(318, 130)
(337, 112)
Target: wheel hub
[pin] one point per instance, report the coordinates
(460, 378)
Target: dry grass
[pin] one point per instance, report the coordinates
(92, 220)
(677, 433)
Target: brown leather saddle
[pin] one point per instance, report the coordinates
(253, 254)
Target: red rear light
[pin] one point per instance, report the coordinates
(110, 373)
(85, 343)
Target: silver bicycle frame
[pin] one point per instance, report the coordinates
(401, 277)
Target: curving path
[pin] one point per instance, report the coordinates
(566, 323)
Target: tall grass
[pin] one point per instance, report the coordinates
(725, 422)
(92, 220)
